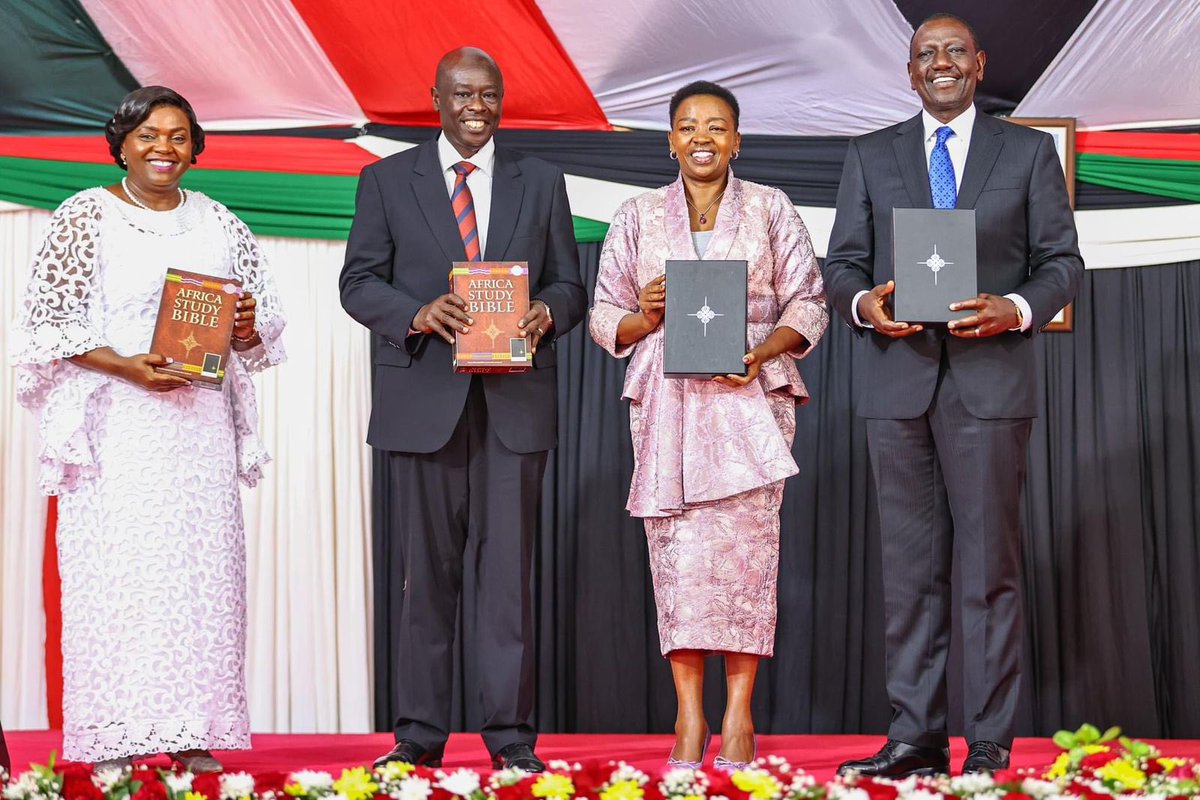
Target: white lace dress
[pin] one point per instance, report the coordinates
(150, 539)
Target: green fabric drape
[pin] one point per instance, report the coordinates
(1161, 177)
(56, 71)
(271, 203)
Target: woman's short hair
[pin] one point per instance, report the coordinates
(704, 87)
(133, 111)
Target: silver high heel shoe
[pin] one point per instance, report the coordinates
(723, 764)
(678, 763)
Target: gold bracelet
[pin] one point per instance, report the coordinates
(249, 338)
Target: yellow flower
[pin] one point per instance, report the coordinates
(294, 789)
(356, 784)
(1124, 773)
(1169, 765)
(395, 770)
(623, 790)
(551, 785)
(761, 785)
(194, 796)
(1059, 768)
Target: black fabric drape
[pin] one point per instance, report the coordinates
(807, 168)
(1110, 552)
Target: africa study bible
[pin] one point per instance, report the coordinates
(195, 323)
(497, 296)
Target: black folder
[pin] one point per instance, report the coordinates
(705, 319)
(935, 263)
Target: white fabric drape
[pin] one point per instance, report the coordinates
(800, 67)
(307, 523)
(242, 65)
(22, 506)
(1113, 72)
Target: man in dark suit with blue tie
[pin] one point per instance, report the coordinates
(466, 453)
(949, 410)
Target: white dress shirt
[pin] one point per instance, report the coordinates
(957, 146)
(479, 181)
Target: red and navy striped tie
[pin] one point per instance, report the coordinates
(464, 209)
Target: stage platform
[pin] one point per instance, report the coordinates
(818, 755)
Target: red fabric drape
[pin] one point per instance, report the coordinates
(387, 52)
(294, 154)
(52, 603)
(1134, 144)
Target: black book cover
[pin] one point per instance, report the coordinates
(935, 263)
(705, 319)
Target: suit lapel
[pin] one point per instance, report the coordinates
(910, 155)
(507, 191)
(987, 139)
(429, 186)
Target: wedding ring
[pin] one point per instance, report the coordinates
(541, 332)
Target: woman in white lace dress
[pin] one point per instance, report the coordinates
(146, 467)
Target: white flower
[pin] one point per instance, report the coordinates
(509, 776)
(1039, 788)
(235, 785)
(178, 783)
(625, 772)
(972, 783)
(462, 782)
(920, 794)
(558, 765)
(414, 788)
(842, 792)
(106, 779)
(313, 782)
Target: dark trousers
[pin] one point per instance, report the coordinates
(5, 761)
(474, 489)
(949, 481)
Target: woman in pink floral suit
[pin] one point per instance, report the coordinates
(711, 456)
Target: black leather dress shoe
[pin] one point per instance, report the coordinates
(517, 755)
(899, 760)
(985, 756)
(410, 752)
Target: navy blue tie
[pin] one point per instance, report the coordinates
(941, 172)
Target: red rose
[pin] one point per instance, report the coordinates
(1016, 796)
(1154, 768)
(441, 794)
(77, 783)
(145, 775)
(720, 783)
(518, 791)
(151, 790)
(1097, 760)
(207, 784)
(652, 791)
(270, 782)
(878, 791)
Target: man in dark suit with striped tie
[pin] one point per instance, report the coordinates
(465, 453)
(949, 410)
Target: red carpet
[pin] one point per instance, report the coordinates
(818, 755)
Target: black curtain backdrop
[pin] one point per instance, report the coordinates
(1111, 554)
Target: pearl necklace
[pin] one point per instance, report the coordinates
(133, 196)
(704, 214)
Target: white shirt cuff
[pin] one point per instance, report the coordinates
(854, 309)
(1026, 312)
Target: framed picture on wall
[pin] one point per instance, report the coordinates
(1063, 131)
